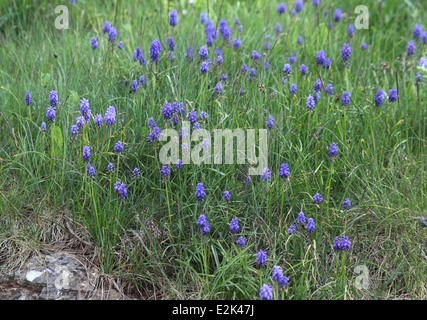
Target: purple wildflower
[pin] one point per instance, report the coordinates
(86, 153)
(266, 292)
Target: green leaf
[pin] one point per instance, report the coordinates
(57, 141)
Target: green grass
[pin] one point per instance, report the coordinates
(44, 190)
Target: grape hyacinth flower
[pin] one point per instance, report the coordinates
(327, 64)
(379, 98)
(267, 66)
(154, 135)
(203, 18)
(317, 85)
(266, 175)
(98, 120)
(141, 80)
(364, 46)
(155, 50)
(80, 122)
(310, 227)
(278, 28)
(293, 89)
(417, 31)
(293, 13)
(90, 171)
(345, 99)
(333, 150)
(167, 111)
(337, 15)
(329, 89)
(196, 126)
(204, 67)
(303, 70)
(410, 48)
(266, 292)
(203, 53)
(424, 38)
(28, 99)
(110, 116)
(299, 40)
(227, 196)
(320, 57)
(418, 77)
(283, 281)
(74, 130)
(94, 43)
(84, 107)
(424, 223)
(269, 123)
(301, 218)
(219, 60)
(341, 244)
(298, 5)
(192, 116)
(346, 204)
(112, 35)
(316, 3)
(53, 98)
(281, 8)
(291, 229)
(190, 54)
(392, 96)
(345, 52)
(134, 86)
(317, 198)
(200, 192)
(120, 45)
(170, 43)
(240, 242)
(277, 273)
(218, 88)
(50, 114)
(165, 172)
(255, 55)
(350, 31)
(234, 226)
(248, 179)
(173, 18)
(261, 257)
(43, 126)
(135, 173)
(120, 188)
(310, 104)
(118, 148)
(203, 115)
(287, 70)
(284, 171)
(179, 164)
(236, 44)
(203, 225)
(292, 59)
(86, 153)
(110, 168)
(107, 27)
